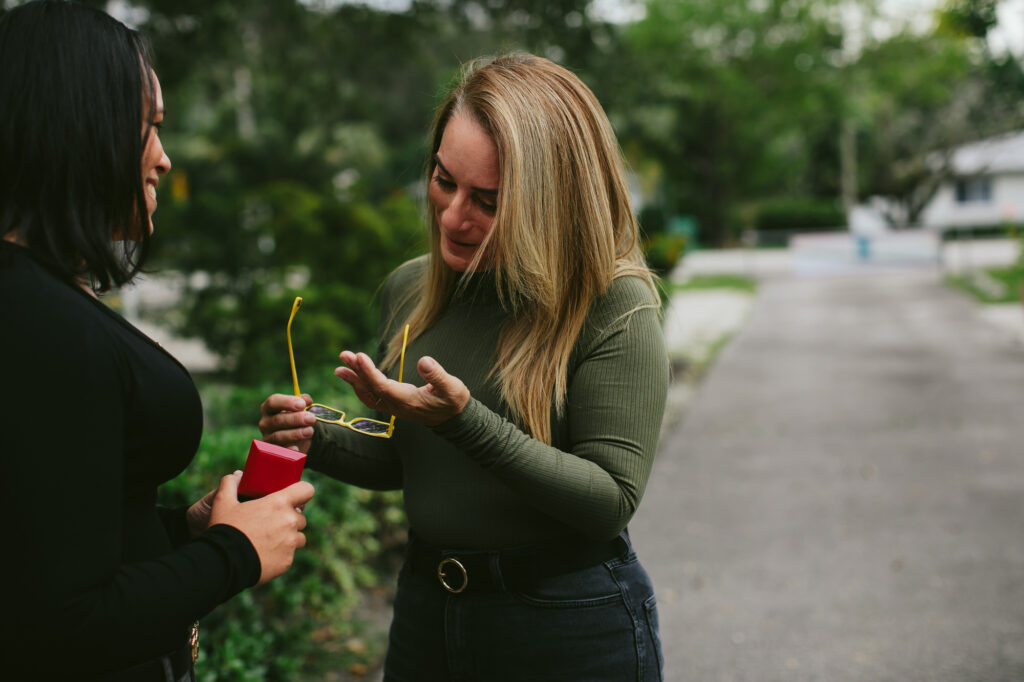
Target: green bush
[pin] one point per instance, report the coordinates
(799, 215)
(273, 240)
(664, 251)
(302, 623)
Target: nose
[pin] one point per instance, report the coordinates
(163, 166)
(454, 216)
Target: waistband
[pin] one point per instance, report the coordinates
(497, 570)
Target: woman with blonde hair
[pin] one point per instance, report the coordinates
(525, 445)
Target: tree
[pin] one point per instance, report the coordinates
(736, 100)
(298, 135)
(926, 94)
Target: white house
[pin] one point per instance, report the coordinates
(987, 187)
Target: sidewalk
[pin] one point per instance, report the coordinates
(842, 499)
(694, 321)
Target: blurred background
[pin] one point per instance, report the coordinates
(298, 132)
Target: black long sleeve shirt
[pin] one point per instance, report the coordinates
(94, 417)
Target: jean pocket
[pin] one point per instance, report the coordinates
(592, 586)
(655, 657)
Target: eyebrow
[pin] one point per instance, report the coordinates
(482, 190)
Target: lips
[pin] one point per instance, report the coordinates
(464, 246)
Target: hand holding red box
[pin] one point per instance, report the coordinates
(269, 468)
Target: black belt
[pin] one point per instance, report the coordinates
(482, 570)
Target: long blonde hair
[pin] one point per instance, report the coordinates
(563, 229)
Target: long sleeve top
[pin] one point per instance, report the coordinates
(95, 417)
(479, 480)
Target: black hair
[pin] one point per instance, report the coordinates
(73, 81)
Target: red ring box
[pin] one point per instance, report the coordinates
(269, 468)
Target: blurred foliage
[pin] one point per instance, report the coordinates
(799, 213)
(664, 251)
(736, 100)
(304, 622)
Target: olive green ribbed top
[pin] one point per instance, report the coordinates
(478, 480)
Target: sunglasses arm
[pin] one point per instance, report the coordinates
(291, 354)
(401, 364)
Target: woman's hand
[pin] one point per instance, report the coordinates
(443, 396)
(272, 523)
(283, 421)
(198, 515)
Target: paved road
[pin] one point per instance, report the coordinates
(844, 498)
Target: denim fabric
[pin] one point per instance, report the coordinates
(596, 624)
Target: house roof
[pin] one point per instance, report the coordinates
(1003, 154)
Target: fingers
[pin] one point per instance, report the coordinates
(297, 494)
(371, 385)
(197, 516)
(285, 403)
(443, 385)
(288, 437)
(443, 396)
(285, 411)
(433, 374)
(284, 421)
(227, 491)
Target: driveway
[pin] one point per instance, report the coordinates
(844, 496)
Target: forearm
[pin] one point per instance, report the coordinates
(142, 609)
(594, 475)
(354, 458)
(566, 485)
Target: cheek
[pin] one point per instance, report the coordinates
(486, 223)
(147, 158)
(438, 199)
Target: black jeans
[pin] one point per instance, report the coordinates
(598, 623)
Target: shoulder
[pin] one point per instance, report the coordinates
(407, 274)
(627, 314)
(35, 297)
(54, 332)
(624, 297)
(402, 279)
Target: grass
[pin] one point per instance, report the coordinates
(992, 285)
(701, 282)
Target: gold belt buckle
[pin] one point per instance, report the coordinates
(193, 640)
(441, 576)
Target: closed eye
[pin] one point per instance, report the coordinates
(486, 206)
(446, 185)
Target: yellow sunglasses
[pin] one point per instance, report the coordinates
(364, 425)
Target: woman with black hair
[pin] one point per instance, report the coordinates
(101, 583)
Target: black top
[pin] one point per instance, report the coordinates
(95, 416)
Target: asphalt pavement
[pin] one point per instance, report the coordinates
(843, 498)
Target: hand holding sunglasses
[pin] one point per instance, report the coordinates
(331, 415)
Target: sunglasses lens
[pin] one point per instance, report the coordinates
(369, 426)
(326, 413)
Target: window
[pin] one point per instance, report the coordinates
(970, 190)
